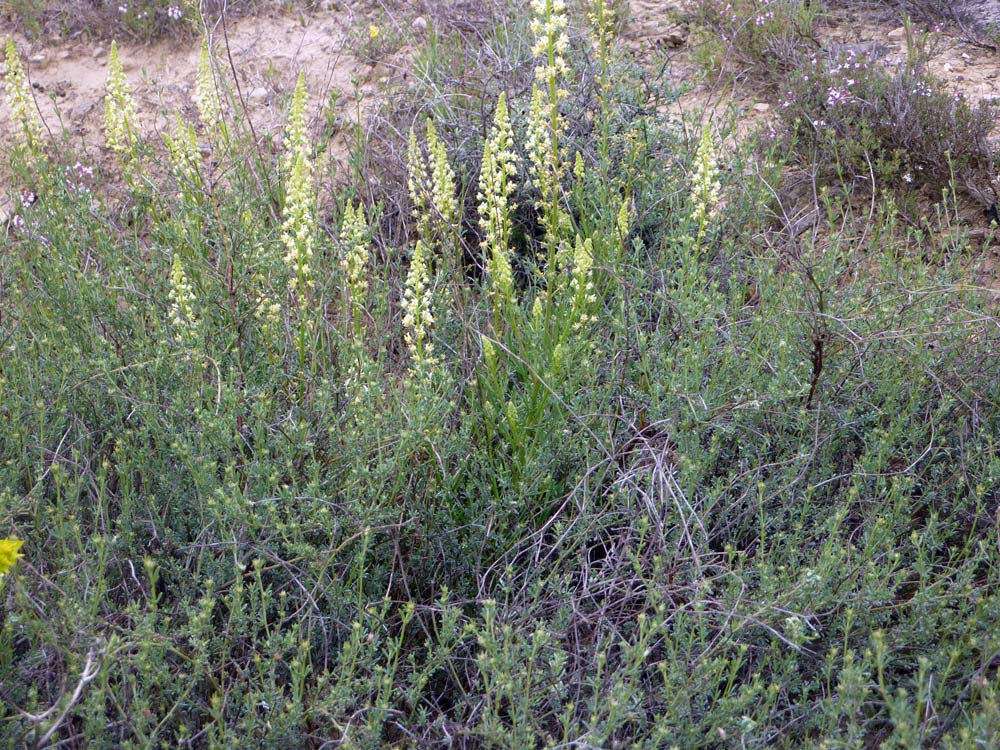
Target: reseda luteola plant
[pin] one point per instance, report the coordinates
(354, 234)
(298, 223)
(28, 126)
(497, 182)
(120, 117)
(545, 122)
(432, 187)
(207, 98)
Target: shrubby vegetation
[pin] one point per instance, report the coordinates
(569, 440)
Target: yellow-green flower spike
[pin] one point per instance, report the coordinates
(297, 228)
(705, 187)
(419, 184)
(551, 42)
(206, 92)
(182, 303)
(418, 319)
(9, 554)
(184, 156)
(432, 185)
(119, 108)
(496, 184)
(28, 127)
(582, 284)
(443, 183)
(354, 233)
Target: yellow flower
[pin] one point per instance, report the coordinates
(9, 554)
(373, 32)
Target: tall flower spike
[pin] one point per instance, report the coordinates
(419, 184)
(22, 105)
(182, 150)
(442, 182)
(298, 224)
(432, 186)
(705, 186)
(418, 319)
(182, 301)
(551, 42)
(206, 93)
(582, 283)
(354, 233)
(119, 108)
(496, 184)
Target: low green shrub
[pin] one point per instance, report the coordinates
(654, 477)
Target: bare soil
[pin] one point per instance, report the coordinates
(264, 54)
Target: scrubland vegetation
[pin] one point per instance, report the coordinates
(563, 430)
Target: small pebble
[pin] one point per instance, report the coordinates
(419, 25)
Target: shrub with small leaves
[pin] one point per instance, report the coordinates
(863, 121)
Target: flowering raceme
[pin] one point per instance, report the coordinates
(582, 284)
(551, 42)
(297, 227)
(182, 301)
(417, 300)
(206, 95)
(496, 184)
(432, 186)
(354, 232)
(119, 107)
(19, 99)
(182, 150)
(705, 185)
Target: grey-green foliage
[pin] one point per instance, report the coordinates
(752, 504)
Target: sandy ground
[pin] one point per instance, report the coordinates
(265, 54)
(268, 51)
